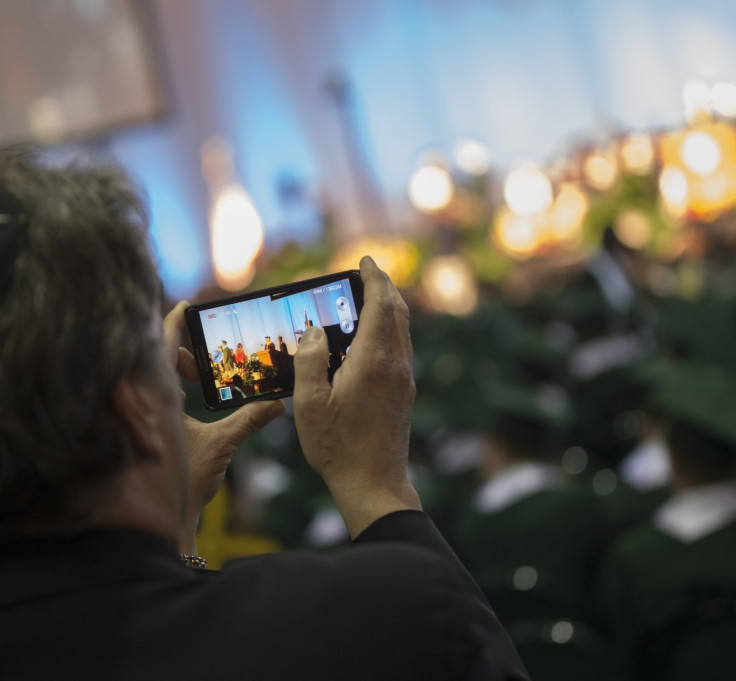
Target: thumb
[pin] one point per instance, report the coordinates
(311, 361)
(249, 419)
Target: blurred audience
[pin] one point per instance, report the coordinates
(532, 538)
(668, 587)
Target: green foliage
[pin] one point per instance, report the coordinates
(253, 364)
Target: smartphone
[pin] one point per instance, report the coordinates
(245, 345)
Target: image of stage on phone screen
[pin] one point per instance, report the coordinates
(251, 343)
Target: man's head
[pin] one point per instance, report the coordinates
(77, 313)
(695, 402)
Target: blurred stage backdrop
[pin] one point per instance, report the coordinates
(550, 182)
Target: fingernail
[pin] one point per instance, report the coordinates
(312, 333)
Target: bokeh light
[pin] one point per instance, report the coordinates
(397, 256)
(700, 153)
(430, 188)
(723, 99)
(527, 191)
(567, 212)
(237, 237)
(696, 96)
(673, 189)
(516, 235)
(633, 228)
(637, 154)
(450, 285)
(600, 171)
(472, 157)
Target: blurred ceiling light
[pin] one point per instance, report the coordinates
(600, 171)
(568, 211)
(237, 237)
(673, 187)
(637, 154)
(527, 191)
(696, 95)
(430, 188)
(450, 286)
(236, 232)
(398, 257)
(633, 228)
(518, 236)
(723, 99)
(472, 157)
(700, 153)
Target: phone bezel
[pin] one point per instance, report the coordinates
(197, 335)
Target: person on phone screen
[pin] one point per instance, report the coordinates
(103, 478)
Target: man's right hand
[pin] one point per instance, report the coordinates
(355, 432)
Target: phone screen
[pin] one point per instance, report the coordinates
(245, 345)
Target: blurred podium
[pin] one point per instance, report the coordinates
(265, 357)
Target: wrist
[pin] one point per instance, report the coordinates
(361, 505)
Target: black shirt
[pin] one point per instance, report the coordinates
(119, 604)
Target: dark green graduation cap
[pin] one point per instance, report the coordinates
(534, 418)
(546, 406)
(701, 397)
(577, 302)
(701, 330)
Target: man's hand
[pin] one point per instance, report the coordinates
(211, 445)
(355, 432)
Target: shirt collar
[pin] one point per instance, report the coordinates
(516, 482)
(697, 512)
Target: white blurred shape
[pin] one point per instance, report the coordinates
(472, 157)
(700, 153)
(430, 188)
(237, 237)
(723, 99)
(673, 186)
(696, 95)
(527, 191)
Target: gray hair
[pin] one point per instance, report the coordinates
(75, 317)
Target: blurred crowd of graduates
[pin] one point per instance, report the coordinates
(542, 446)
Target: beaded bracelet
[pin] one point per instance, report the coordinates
(193, 561)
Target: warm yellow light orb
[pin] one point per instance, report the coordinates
(430, 188)
(568, 211)
(673, 184)
(700, 153)
(450, 286)
(237, 237)
(633, 228)
(600, 171)
(637, 154)
(518, 236)
(673, 188)
(396, 256)
(527, 191)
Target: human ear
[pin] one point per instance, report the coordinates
(136, 404)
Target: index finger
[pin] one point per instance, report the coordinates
(173, 325)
